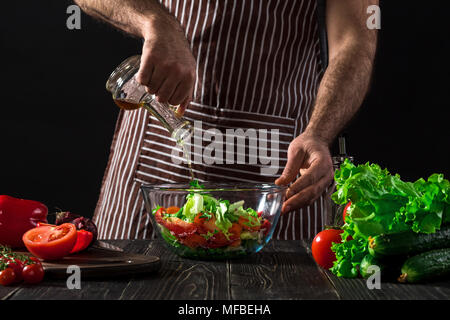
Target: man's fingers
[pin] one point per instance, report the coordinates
(307, 196)
(158, 77)
(318, 169)
(146, 68)
(183, 90)
(292, 168)
(183, 106)
(166, 89)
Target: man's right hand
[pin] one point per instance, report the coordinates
(168, 68)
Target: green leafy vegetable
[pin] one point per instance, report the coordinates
(383, 203)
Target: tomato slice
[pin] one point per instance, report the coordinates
(51, 242)
(178, 227)
(251, 223)
(172, 210)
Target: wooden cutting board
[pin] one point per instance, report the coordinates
(99, 263)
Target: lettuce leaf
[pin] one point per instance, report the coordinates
(383, 203)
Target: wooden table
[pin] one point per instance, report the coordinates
(283, 270)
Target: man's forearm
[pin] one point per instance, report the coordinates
(342, 90)
(131, 16)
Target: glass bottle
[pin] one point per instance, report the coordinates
(128, 94)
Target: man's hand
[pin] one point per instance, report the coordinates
(309, 156)
(168, 68)
(167, 65)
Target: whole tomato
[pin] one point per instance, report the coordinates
(17, 216)
(7, 277)
(33, 273)
(321, 247)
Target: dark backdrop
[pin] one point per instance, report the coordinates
(57, 119)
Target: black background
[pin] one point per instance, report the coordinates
(57, 119)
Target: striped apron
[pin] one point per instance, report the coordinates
(258, 67)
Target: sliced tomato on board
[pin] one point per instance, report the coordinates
(51, 242)
(84, 238)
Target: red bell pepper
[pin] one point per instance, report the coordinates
(17, 216)
(84, 239)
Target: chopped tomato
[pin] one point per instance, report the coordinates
(177, 226)
(51, 242)
(172, 210)
(250, 224)
(266, 225)
(235, 243)
(193, 241)
(217, 240)
(235, 232)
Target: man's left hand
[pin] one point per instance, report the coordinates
(308, 155)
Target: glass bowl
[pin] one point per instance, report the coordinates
(214, 221)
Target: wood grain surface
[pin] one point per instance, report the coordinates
(283, 270)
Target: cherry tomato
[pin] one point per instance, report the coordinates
(7, 277)
(17, 266)
(321, 247)
(33, 273)
(344, 213)
(36, 260)
(51, 242)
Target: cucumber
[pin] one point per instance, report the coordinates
(368, 261)
(426, 266)
(389, 268)
(408, 242)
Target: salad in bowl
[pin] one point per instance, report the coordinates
(214, 221)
